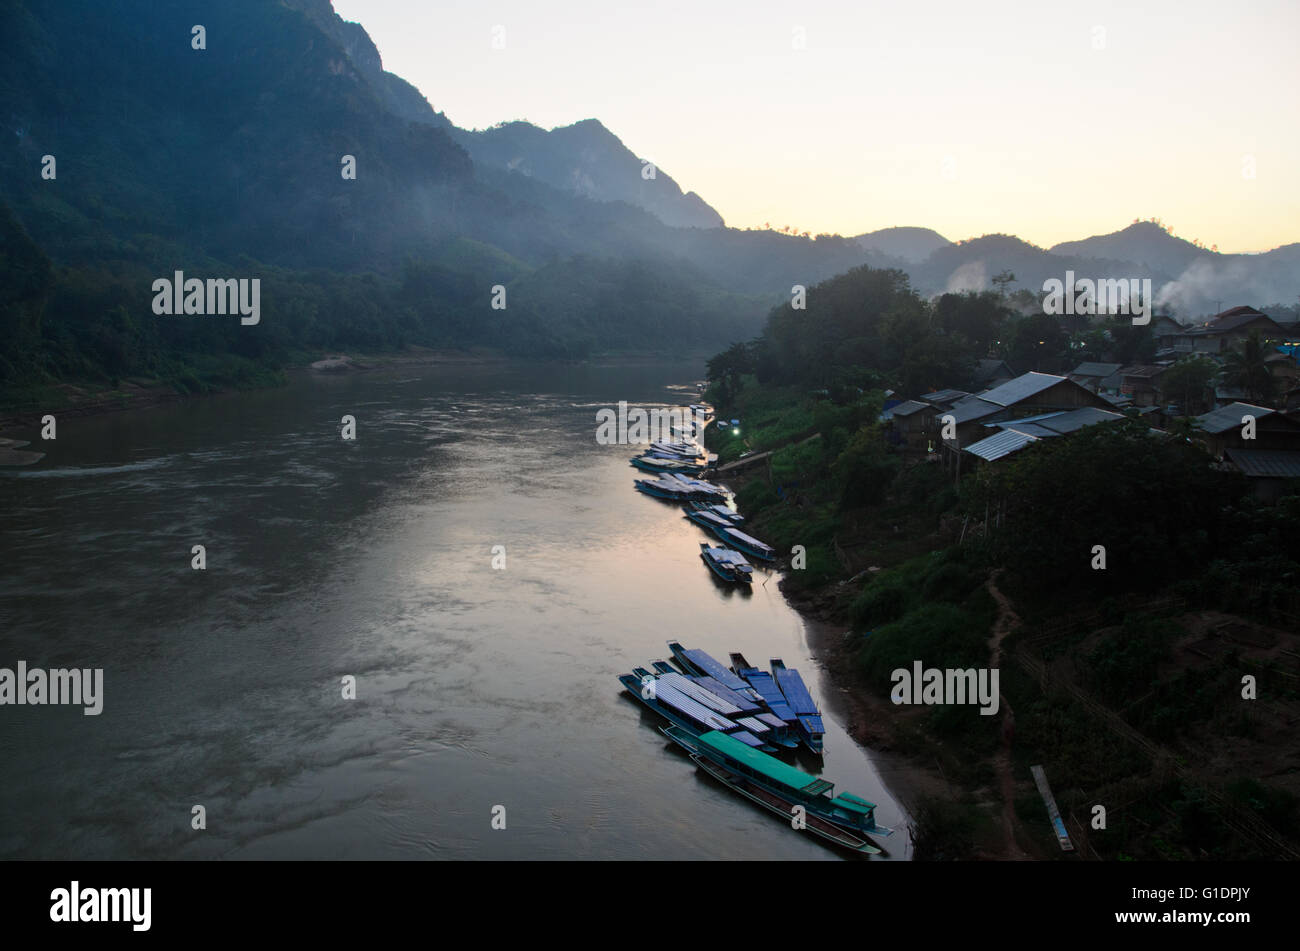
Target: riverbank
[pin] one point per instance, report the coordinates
(868, 719)
(1117, 694)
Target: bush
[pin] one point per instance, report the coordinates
(755, 496)
(939, 635)
(884, 599)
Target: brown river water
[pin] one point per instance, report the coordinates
(475, 687)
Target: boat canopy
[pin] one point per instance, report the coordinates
(690, 708)
(728, 556)
(766, 688)
(726, 693)
(701, 694)
(754, 725)
(709, 666)
(749, 540)
(722, 511)
(703, 516)
(768, 767)
(792, 686)
(852, 803)
(813, 725)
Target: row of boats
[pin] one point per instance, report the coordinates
(708, 505)
(731, 719)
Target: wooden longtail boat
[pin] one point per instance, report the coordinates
(808, 718)
(773, 785)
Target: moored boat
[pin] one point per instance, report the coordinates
(769, 694)
(669, 489)
(722, 511)
(707, 491)
(781, 788)
(746, 543)
(703, 664)
(664, 464)
(684, 711)
(809, 719)
(681, 488)
(709, 521)
(727, 564)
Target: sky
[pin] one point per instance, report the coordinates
(1050, 121)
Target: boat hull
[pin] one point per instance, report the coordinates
(823, 829)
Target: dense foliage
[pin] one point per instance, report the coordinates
(1154, 505)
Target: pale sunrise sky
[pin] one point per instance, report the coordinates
(969, 118)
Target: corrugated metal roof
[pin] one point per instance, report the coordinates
(1096, 369)
(1228, 417)
(1037, 430)
(1021, 388)
(672, 697)
(910, 407)
(726, 693)
(1076, 419)
(1003, 444)
(700, 694)
(714, 669)
(944, 396)
(986, 370)
(766, 686)
(1266, 464)
(1236, 317)
(768, 766)
(1015, 423)
(1143, 371)
(971, 408)
(796, 694)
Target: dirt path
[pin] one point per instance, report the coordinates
(1007, 622)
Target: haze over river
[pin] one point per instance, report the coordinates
(475, 687)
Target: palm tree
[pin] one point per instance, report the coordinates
(1246, 368)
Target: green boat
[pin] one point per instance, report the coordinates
(780, 788)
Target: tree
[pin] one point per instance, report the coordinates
(728, 367)
(1156, 506)
(1002, 281)
(1187, 382)
(1131, 343)
(976, 317)
(1245, 367)
(865, 469)
(1037, 342)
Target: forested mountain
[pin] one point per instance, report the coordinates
(139, 148)
(907, 245)
(587, 159)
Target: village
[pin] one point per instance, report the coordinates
(1230, 384)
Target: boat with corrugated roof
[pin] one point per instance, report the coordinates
(666, 464)
(783, 789)
(746, 543)
(683, 707)
(727, 564)
(809, 719)
(722, 511)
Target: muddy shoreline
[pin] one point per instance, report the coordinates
(868, 719)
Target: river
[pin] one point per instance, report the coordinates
(373, 559)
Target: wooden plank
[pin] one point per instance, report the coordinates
(1044, 790)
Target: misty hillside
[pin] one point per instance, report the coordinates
(909, 245)
(589, 160)
(1187, 281)
(1143, 242)
(227, 160)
